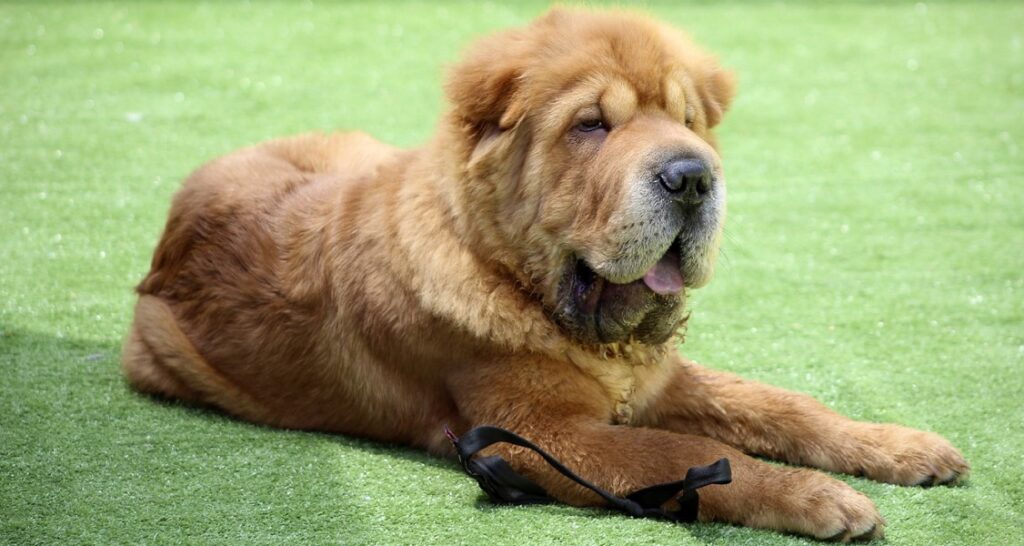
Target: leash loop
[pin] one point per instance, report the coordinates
(504, 485)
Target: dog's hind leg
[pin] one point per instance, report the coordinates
(159, 359)
(146, 374)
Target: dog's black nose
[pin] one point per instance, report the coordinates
(688, 180)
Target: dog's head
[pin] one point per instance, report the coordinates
(589, 168)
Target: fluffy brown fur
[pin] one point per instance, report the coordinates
(494, 277)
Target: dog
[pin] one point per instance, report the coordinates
(526, 268)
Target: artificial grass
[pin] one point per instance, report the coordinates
(874, 256)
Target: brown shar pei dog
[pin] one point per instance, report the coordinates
(527, 268)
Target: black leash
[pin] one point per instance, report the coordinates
(506, 486)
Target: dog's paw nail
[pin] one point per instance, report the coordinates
(841, 536)
(867, 535)
(928, 481)
(952, 479)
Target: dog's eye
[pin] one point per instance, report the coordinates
(690, 114)
(590, 125)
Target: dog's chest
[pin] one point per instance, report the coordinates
(631, 379)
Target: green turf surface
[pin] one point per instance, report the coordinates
(874, 256)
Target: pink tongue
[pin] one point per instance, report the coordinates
(665, 278)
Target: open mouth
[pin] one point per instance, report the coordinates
(648, 309)
(664, 278)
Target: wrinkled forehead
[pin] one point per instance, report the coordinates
(618, 98)
(622, 68)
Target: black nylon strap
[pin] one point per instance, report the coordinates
(508, 485)
(504, 485)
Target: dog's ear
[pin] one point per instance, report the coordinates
(484, 88)
(716, 92)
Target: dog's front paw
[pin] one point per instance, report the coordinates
(828, 509)
(904, 456)
(798, 501)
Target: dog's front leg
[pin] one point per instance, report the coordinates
(568, 414)
(793, 427)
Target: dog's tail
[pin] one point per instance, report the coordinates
(159, 359)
